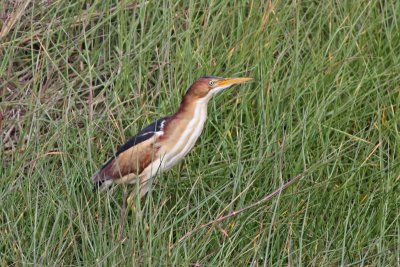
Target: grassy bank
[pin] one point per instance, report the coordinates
(77, 79)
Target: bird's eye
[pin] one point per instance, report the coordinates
(211, 83)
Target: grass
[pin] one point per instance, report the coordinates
(78, 78)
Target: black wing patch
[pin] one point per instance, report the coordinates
(141, 136)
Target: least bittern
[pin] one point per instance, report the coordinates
(162, 144)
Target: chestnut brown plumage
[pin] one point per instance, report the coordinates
(159, 146)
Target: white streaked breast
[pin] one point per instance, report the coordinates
(188, 137)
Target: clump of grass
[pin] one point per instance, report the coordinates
(79, 78)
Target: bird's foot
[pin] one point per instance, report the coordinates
(131, 203)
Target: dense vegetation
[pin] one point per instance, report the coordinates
(77, 78)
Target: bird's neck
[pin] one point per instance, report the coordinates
(183, 129)
(192, 106)
(186, 125)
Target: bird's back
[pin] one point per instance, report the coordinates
(134, 156)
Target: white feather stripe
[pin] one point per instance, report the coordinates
(185, 143)
(184, 135)
(199, 124)
(188, 137)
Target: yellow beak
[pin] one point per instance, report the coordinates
(232, 81)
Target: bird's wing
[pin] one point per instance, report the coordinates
(134, 155)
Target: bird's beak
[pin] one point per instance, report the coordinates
(232, 81)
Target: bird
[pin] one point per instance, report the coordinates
(162, 144)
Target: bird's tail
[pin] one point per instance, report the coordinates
(100, 181)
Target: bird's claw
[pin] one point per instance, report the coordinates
(130, 201)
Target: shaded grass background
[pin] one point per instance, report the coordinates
(326, 97)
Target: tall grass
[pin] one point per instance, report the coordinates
(78, 78)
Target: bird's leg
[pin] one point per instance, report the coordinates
(131, 200)
(144, 186)
(130, 178)
(122, 218)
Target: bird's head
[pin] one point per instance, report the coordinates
(205, 87)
